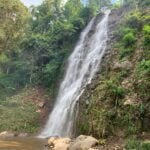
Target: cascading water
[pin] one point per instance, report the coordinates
(82, 65)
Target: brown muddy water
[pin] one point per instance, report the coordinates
(21, 143)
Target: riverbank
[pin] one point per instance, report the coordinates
(82, 142)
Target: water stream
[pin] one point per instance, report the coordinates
(83, 63)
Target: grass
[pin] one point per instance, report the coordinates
(137, 145)
(18, 115)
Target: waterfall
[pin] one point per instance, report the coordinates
(83, 63)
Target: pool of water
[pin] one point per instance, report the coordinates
(19, 143)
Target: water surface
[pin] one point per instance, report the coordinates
(22, 143)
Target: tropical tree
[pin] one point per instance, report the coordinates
(12, 20)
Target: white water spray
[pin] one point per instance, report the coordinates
(82, 65)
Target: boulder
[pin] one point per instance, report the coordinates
(83, 143)
(61, 146)
(59, 143)
(122, 65)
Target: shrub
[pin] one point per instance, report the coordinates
(144, 67)
(134, 21)
(137, 145)
(146, 31)
(125, 52)
(129, 39)
(144, 3)
(141, 84)
(146, 146)
(114, 90)
(132, 144)
(125, 30)
(86, 14)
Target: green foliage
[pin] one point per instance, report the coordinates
(132, 144)
(144, 3)
(146, 31)
(126, 40)
(52, 31)
(137, 145)
(134, 21)
(129, 39)
(119, 101)
(50, 72)
(20, 116)
(114, 90)
(144, 67)
(3, 58)
(125, 52)
(86, 13)
(34, 47)
(13, 22)
(39, 55)
(125, 30)
(142, 79)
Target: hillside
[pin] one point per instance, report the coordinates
(118, 100)
(35, 45)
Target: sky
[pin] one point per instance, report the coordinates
(28, 3)
(113, 1)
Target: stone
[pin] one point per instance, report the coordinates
(59, 143)
(38, 111)
(127, 83)
(23, 134)
(61, 146)
(131, 100)
(7, 134)
(83, 143)
(122, 65)
(41, 104)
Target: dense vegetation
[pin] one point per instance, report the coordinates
(35, 43)
(119, 101)
(34, 46)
